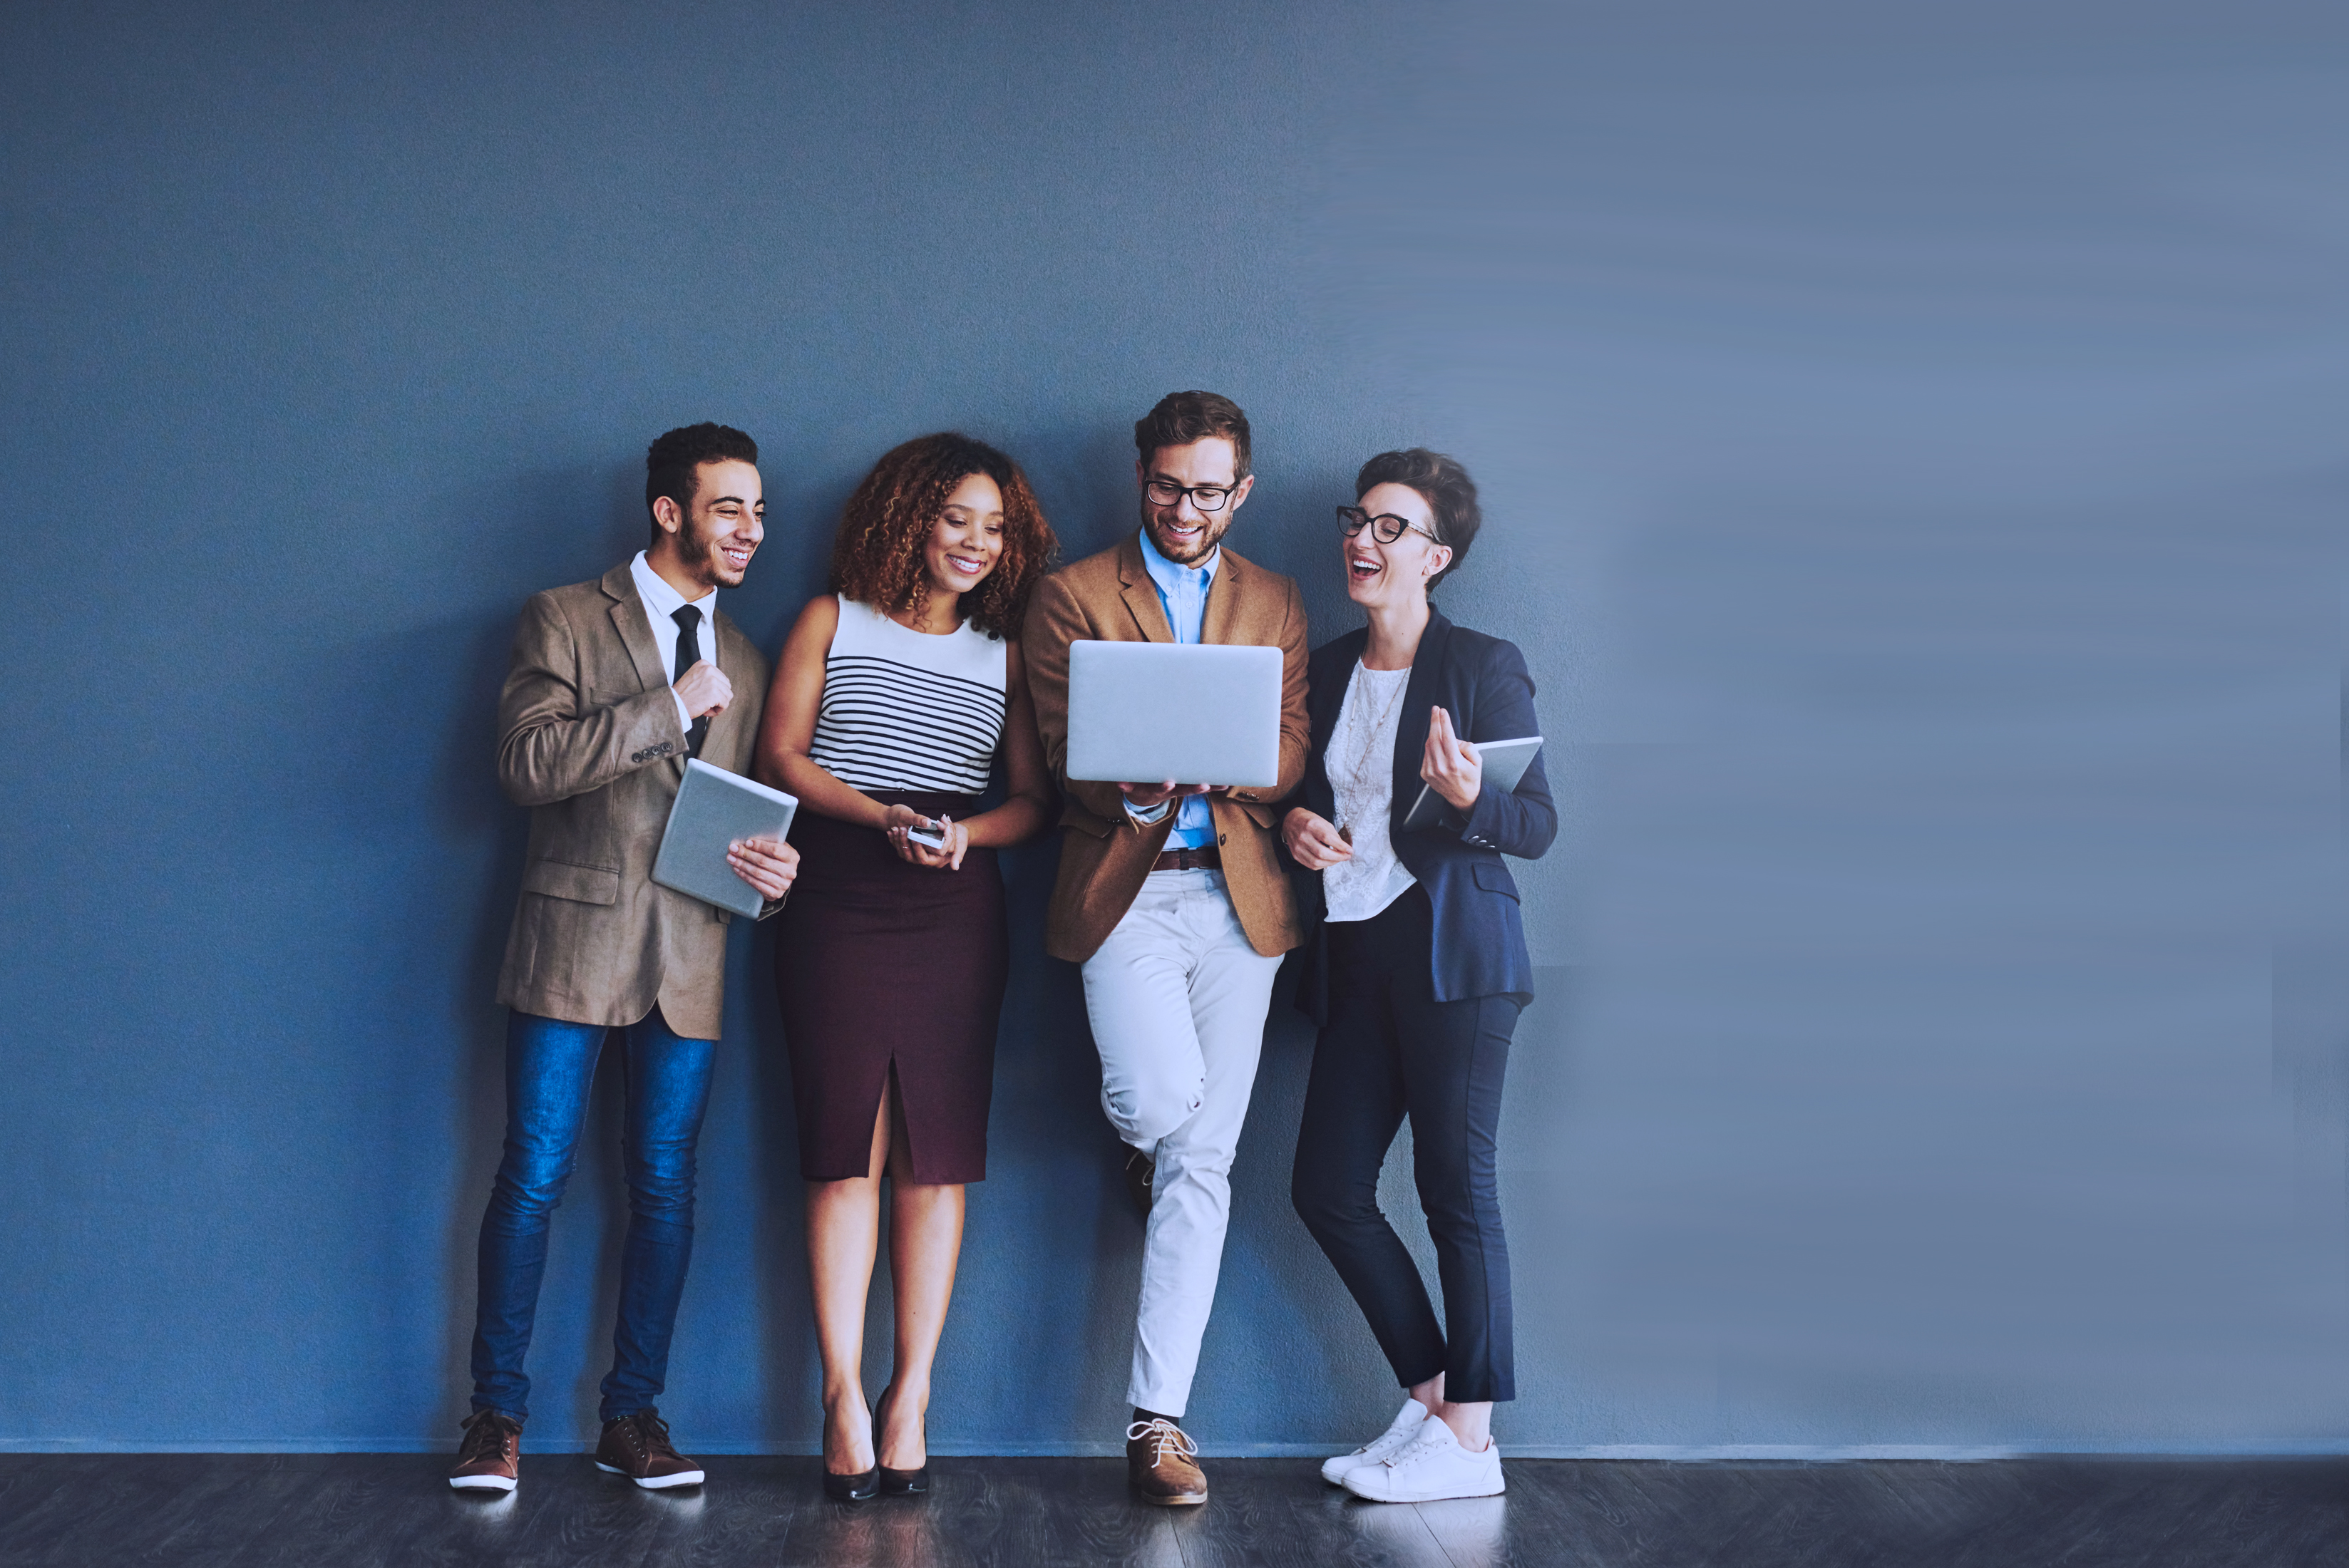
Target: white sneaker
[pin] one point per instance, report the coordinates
(1430, 1467)
(1401, 1431)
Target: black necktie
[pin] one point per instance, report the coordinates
(688, 654)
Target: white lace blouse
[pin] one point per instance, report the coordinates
(1361, 766)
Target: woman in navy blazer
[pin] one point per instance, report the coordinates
(1416, 968)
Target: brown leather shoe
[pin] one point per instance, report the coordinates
(637, 1446)
(490, 1458)
(1162, 1464)
(1141, 1178)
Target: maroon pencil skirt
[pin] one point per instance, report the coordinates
(881, 964)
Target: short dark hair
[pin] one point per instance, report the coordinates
(1182, 417)
(671, 459)
(1441, 482)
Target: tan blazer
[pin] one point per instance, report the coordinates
(1104, 854)
(588, 739)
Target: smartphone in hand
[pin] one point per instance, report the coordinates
(929, 834)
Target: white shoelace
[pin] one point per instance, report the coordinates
(1164, 1435)
(1418, 1448)
(1392, 1440)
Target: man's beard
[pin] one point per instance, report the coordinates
(700, 556)
(1211, 533)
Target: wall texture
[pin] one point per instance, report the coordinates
(1913, 468)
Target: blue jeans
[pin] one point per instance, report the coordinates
(550, 1068)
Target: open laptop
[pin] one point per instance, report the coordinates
(1196, 713)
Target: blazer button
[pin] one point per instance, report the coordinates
(1223, 838)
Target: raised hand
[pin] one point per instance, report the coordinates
(1449, 764)
(704, 690)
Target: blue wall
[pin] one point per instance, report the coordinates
(1913, 466)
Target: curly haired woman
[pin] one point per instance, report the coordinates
(896, 694)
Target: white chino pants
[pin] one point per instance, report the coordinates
(1178, 998)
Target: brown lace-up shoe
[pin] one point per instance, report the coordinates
(490, 1458)
(637, 1446)
(1162, 1464)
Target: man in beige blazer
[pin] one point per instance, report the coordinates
(1171, 897)
(613, 684)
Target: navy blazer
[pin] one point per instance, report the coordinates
(1480, 938)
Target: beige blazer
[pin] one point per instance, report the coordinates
(588, 739)
(1104, 854)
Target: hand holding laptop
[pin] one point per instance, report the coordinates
(1150, 797)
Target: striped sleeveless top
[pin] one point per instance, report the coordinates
(906, 710)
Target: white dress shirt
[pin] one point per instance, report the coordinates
(661, 605)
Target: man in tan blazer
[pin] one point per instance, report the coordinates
(1171, 897)
(613, 684)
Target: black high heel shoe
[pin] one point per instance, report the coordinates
(859, 1488)
(862, 1487)
(898, 1483)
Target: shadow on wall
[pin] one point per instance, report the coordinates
(1054, 1166)
(475, 811)
(1052, 1159)
(471, 794)
(1084, 477)
(793, 1379)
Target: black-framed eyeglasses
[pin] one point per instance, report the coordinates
(1386, 528)
(1206, 498)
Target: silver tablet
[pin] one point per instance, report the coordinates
(1142, 713)
(712, 810)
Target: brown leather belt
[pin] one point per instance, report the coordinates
(1207, 857)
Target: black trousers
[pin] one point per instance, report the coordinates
(1392, 1051)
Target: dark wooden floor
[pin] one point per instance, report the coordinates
(348, 1509)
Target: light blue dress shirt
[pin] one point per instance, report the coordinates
(1183, 595)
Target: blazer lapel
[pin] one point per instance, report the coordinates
(1219, 621)
(1140, 595)
(721, 633)
(1326, 700)
(1411, 731)
(636, 631)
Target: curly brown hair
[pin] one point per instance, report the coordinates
(876, 558)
